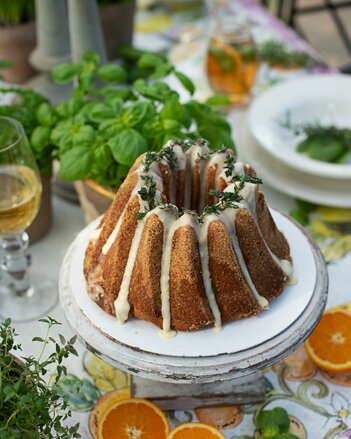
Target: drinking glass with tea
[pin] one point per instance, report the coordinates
(232, 60)
(21, 298)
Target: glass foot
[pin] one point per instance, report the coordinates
(38, 301)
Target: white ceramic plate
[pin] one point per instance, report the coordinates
(324, 98)
(274, 173)
(235, 336)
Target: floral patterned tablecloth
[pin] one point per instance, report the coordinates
(318, 403)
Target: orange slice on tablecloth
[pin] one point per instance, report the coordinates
(103, 405)
(329, 346)
(133, 418)
(195, 430)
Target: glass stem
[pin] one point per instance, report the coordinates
(15, 261)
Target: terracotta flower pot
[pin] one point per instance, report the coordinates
(42, 223)
(94, 198)
(117, 24)
(16, 43)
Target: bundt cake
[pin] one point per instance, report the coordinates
(188, 242)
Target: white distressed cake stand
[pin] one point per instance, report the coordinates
(203, 367)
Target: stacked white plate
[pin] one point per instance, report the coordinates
(325, 99)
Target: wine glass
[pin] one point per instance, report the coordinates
(232, 60)
(20, 196)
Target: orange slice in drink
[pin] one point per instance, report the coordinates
(195, 430)
(329, 346)
(133, 418)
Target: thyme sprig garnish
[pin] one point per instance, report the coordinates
(166, 153)
(229, 165)
(326, 143)
(147, 193)
(226, 199)
(186, 144)
(242, 179)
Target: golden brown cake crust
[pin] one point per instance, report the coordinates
(146, 304)
(267, 277)
(233, 296)
(114, 263)
(189, 305)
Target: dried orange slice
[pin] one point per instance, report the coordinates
(329, 346)
(195, 430)
(133, 418)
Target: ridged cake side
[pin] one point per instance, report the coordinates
(186, 271)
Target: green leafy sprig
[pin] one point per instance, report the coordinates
(36, 116)
(101, 130)
(274, 424)
(29, 406)
(325, 143)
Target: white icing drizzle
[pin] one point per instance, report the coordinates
(95, 234)
(169, 227)
(228, 219)
(159, 185)
(205, 263)
(121, 304)
(249, 194)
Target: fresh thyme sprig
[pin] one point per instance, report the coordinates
(327, 143)
(229, 165)
(166, 153)
(226, 200)
(29, 405)
(147, 193)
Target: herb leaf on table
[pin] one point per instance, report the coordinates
(326, 143)
(274, 424)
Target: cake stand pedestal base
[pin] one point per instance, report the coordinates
(243, 390)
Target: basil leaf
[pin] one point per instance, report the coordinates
(102, 157)
(91, 58)
(112, 73)
(218, 99)
(148, 60)
(137, 112)
(153, 129)
(84, 134)
(161, 71)
(110, 93)
(40, 138)
(172, 109)
(171, 125)
(268, 419)
(64, 73)
(46, 115)
(100, 112)
(186, 82)
(75, 163)
(127, 145)
(110, 128)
